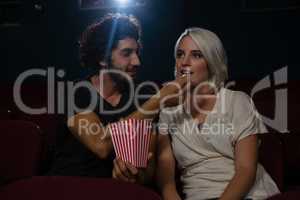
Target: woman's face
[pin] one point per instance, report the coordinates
(190, 61)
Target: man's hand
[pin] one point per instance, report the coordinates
(124, 171)
(173, 92)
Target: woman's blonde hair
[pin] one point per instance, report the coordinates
(213, 52)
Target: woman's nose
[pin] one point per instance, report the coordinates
(186, 61)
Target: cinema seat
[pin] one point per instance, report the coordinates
(20, 149)
(271, 157)
(75, 188)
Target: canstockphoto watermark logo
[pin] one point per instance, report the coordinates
(280, 120)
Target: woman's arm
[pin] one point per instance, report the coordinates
(165, 170)
(146, 176)
(245, 169)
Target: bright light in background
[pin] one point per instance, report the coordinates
(103, 4)
(122, 2)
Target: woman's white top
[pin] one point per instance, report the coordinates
(205, 153)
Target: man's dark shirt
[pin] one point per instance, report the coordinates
(72, 158)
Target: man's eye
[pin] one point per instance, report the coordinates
(126, 53)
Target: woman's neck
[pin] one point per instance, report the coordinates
(201, 103)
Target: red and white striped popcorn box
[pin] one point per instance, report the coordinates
(131, 140)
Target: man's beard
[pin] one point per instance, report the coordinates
(122, 82)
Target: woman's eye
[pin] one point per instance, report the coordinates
(179, 54)
(197, 55)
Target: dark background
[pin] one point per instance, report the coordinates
(259, 37)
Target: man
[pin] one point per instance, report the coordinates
(110, 50)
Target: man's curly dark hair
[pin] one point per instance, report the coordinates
(100, 38)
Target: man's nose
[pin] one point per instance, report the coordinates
(135, 60)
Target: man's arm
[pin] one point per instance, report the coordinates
(245, 169)
(89, 130)
(165, 171)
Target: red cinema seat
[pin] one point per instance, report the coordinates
(271, 156)
(75, 188)
(292, 160)
(20, 149)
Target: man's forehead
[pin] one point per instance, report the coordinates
(127, 43)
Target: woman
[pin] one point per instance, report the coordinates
(213, 134)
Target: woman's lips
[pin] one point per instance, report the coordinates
(186, 71)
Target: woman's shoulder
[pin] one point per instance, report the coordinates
(239, 104)
(232, 102)
(235, 95)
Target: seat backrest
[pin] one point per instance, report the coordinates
(5, 114)
(20, 149)
(291, 143)
(271, 156)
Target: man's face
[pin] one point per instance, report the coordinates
(125, 57)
